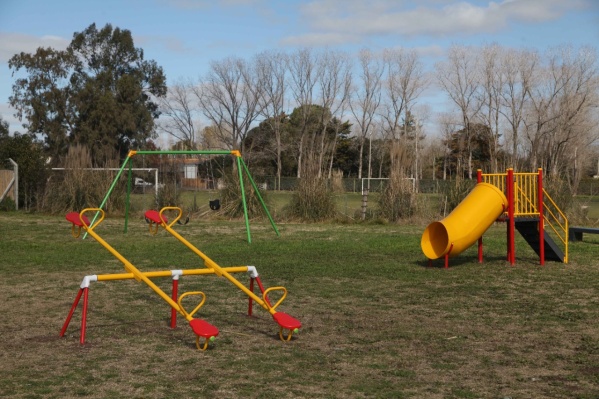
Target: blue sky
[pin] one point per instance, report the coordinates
(183, 36)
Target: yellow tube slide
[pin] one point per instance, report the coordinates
(465, 224)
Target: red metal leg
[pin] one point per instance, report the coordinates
(447, 256)
(174, 296)
(84, 315)
(68, 320)
(262, 290)
(480, 250)
(250, 298)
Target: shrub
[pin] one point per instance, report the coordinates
(312, 200)
(398, 199)
(78, 188)
(232, 200)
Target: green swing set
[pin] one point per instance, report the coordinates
(241, 167)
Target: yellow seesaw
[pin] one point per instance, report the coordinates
(285, 321)
(201, 328)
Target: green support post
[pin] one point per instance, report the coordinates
(272, 222)
(245, 208)
(128, 195)
(116, 179)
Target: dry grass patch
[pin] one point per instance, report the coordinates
(377, 323)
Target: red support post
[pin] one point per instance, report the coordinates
(174, 296)
(511, 216)
(480, 250)
(70, 315)
(84, 315)
(250, 298)
(447, 256)
(541, 217)
(479, 179)
(262, 290)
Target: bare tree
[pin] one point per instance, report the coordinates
(448, 124)
(333, 84)
(229, 96)
(182, 119)
(272, 70)
(340, 107)
(518, 69)
(366, 98)
(458, 76)
(543, 111)
(572, 130)
(302, 66)
(490, 96)
(405, 81)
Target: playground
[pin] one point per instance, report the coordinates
(377, 321)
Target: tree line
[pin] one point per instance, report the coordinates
(518, 108)
(308, 113)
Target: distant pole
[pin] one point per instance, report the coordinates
(16, 184)
(364, 202)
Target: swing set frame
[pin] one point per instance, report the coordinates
(241, 167)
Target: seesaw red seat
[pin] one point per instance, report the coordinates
(154, 216)
(74, 218)
(203, 329)
(286, 321)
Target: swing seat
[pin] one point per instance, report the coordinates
(214, 204)
(74, 218)
(154, 216)
(286, 321)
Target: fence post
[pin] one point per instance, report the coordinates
(364, 202)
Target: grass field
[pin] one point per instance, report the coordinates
(377, 321)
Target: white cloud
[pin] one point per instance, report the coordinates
(203, 4)
(14, 43)
(338, 18)
(319, 39)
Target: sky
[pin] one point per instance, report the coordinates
(184, 36)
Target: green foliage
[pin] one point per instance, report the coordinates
(28, 155)
(477, 139)
(303, 124)
(96, 93)
(7, 204)
(455, 193)
(168, 195)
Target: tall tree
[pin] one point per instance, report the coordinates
(181, 119)
(459, 78)
(518, 69)
(367, 97)
(272, 70)
(229, 96)
(303, 69)
(404, 82)
(334, 84)
(99, 92)
(490, 95)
